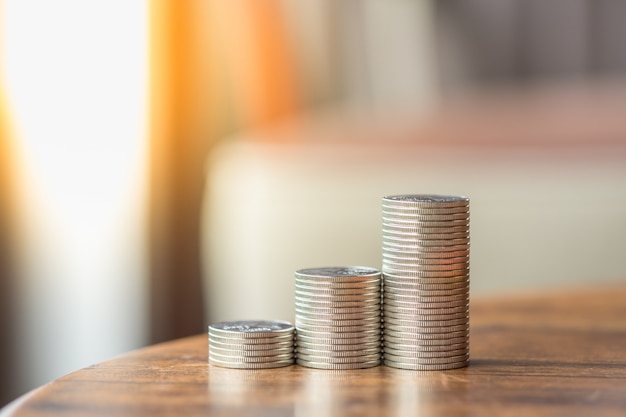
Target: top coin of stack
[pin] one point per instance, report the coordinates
(338, 317)
(426, 281)
(251, 344)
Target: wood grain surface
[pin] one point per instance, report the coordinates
(552, 354)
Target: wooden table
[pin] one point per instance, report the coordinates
(558, 353)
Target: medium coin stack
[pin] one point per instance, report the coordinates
(426, 281)
(338, 322)
(251, 344)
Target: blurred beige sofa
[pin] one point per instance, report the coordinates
(545, 170)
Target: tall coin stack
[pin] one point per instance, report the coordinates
(259, 344)
(426, 281)
(338, 318)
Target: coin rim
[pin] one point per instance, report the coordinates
(338, 367)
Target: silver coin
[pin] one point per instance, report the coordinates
(251, 328)
(392, 207)
(339, 306)
(458, 244)
(408, 268)
(412, 332)
(413, 286)
(394, 216)
(424, 253)
(413, 348)
(415, 307)
(420, 367)
(308, 296)
(406, 292)
(392, 341)
(418, 238)
(414, 283)
(371, 327)
(243, 356)
(414, 241)
(367, 303)
(366, 312)
(250, 341)
(369, 321)
(418, 300)
(415, 302)
(338, 366)
(416, 265)
(372, 307)
(424, 274)
(357, 351)
(396, 279)
(287, 344)
(423, 354)
(397, 219)
(408, 259)
(393, 296)
(426, 271)
(401, 226)
(337, 340)
(250, 359)
(337, 285)
(338, 316)
(434, 200)
(338, 299)
(423, 211)
(456, 214)
(398, 313)
(421, 296)
(424, 261)
(414, 311)
(394, 310)
(246, 365)
(425, 323)
(427, 199)
(337, 343)
(459, 276)
(339, 359)
(421, 245)
(391, 316)
(417, 285)
(345, 281)
(429, 361)
(376, 344)
(424, 336)
(408, 227)
(337, 329)
(338, 291)
(425, 208)
(330, 334)
(239, 351)
(400, 229)
(391, 327)
(338, 272)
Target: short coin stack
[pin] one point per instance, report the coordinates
(426, 281)
(338, 317)
(251, 344)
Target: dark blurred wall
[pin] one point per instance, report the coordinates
(7, 261)
(483, 42)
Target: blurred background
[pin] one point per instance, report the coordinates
(168, 164)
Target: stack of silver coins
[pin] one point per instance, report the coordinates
(338, 317)
(257, 344)
(426, 281)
